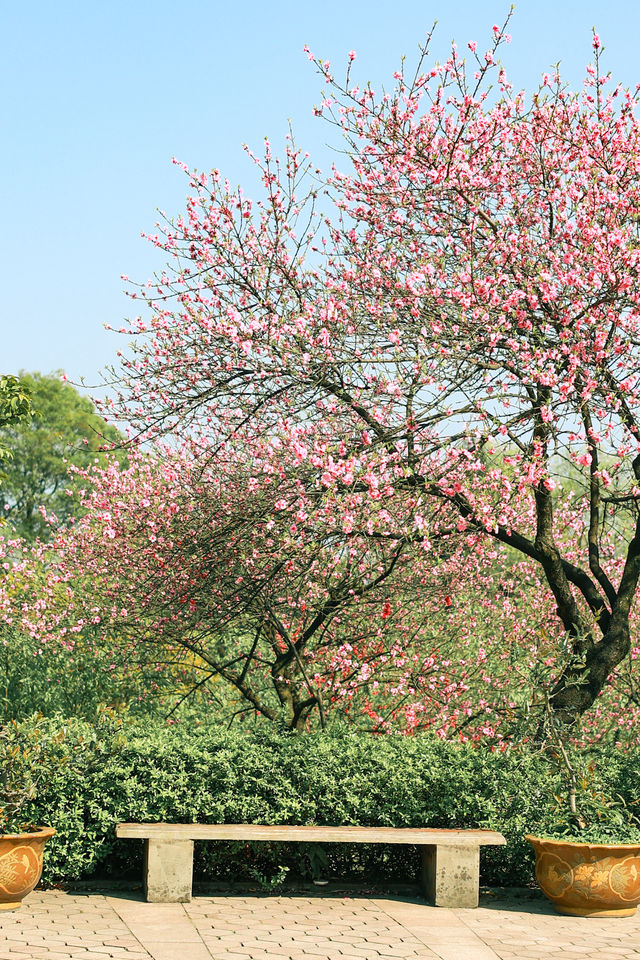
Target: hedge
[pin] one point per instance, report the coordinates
(102, 775)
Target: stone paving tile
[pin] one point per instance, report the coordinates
(60, 926)
(523, 926)
(316, 927)
(53, 925)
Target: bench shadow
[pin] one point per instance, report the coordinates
(516, 900)
(133, 892)
(402, 892)
(406, 893)
(510, 899)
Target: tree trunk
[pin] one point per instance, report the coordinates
(579, 684)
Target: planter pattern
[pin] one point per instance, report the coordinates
(582, 879)
(20, 865)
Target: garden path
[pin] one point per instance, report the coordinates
(508, 925)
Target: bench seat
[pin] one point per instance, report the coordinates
(450, 858)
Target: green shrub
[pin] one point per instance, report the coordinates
(137, 773)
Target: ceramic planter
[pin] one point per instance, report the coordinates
(20, 864)
(589, 879)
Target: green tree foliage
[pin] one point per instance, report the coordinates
(64, 430)
(15, 407)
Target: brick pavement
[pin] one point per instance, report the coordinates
(508, 925)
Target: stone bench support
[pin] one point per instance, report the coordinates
(168, 871)
(450, 858)
(451, 874)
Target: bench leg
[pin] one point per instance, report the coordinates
(451, 875)
(168, 871)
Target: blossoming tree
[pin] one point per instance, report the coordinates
(202, 579)
(437, 346)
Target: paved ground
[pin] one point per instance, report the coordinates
(516, 925)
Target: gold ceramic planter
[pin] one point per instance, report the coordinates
(589, 879)
(20, 864)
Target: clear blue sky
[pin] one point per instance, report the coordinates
(97, 98)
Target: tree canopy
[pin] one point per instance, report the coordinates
(15, 406)
(64, 429)
(412, 375)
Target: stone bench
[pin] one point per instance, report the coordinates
(450, 858)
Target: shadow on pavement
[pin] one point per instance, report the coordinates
(516, 900)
